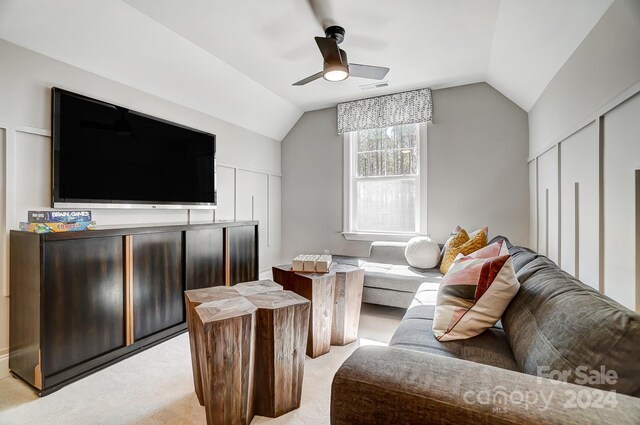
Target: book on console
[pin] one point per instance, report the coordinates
(57, 227)
(70, 216)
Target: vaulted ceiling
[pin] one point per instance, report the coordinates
(236, 60)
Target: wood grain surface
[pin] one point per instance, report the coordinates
(157, 282)
(204, 258)
(282, 322)
(83, 301)
(226, 357)
(319, 288)
(193, 298)
(347, 303)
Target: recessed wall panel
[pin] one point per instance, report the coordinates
(621, 160)
(548, 204)
(579, 200)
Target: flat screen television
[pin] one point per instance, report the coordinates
(107, 156)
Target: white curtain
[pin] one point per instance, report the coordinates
(384, 111)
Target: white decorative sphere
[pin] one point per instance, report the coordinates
(421, 252)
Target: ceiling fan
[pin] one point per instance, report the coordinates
(336, 66)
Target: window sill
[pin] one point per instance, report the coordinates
(387, 237)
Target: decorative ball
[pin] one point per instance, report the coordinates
(421, 252)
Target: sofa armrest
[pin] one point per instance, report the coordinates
(397, 386)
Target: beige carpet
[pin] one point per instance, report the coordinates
(156, 387)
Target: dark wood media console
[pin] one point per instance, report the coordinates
(81, 301)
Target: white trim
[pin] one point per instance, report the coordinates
(387, 237)
(252, 169)
(617, 100)
(4, 366)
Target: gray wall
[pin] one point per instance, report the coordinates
(606, 64)
(477, 175)
(584, 140)
(249, 169)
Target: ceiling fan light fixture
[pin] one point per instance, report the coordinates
(335, 74)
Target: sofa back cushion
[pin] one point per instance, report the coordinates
(558, 325)
(388, 253)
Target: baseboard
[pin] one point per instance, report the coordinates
(4, 366)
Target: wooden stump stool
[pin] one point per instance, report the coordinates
(257, 287)
(192, 299)
(319, 289)
(282, 320)
(226, 356)
(347, 303)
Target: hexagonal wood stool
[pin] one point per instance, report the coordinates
(318, 288)
(347, 303)
(282, 321)
(257, 287)
(226, 356)
(192, 299)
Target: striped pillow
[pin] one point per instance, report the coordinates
(474, 294)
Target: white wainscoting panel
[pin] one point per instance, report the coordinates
(548, 204)
(226, 193)
(579, 205)
(621, 160)
(32, 175)
(533, 206)
(274, 238)
(251, 204)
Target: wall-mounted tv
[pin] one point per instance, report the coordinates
(107, 156)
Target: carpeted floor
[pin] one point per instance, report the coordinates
(156, 387)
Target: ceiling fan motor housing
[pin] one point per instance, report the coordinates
(336, 32)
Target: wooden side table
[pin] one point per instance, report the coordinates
(192, 299)
(226, 356)
(347, 303)
(282, 321)
(319, 288)
(256, 287)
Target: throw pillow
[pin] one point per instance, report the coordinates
(455, 231)
(469, 246)
(473, 295)
(495, 249)
(422, 252)
(454, 241)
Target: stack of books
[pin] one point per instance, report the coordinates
(311, 263)
(58, 221)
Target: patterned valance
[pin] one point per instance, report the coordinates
(383, 111)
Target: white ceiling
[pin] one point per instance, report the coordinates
(237, 59)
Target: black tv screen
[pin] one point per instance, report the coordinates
(109, 156)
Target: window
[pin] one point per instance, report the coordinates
(382, 181)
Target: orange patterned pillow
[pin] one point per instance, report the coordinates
(471, 245)
(455, 242)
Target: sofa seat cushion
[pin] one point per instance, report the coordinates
(490, 347)
(415, 333)
(402, 278)
(561, 324)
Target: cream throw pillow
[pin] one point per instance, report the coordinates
(422, 252)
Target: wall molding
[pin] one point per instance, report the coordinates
(589, 118)
(252, 169)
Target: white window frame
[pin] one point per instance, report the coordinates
(349, 182)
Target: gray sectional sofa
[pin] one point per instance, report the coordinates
(555, 325)
(388, 278)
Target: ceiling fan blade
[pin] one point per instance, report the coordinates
(322, 11)
(329, 49)
(367, 71)
(308, 79)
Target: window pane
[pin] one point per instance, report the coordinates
(387, 205)
(389, 151)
